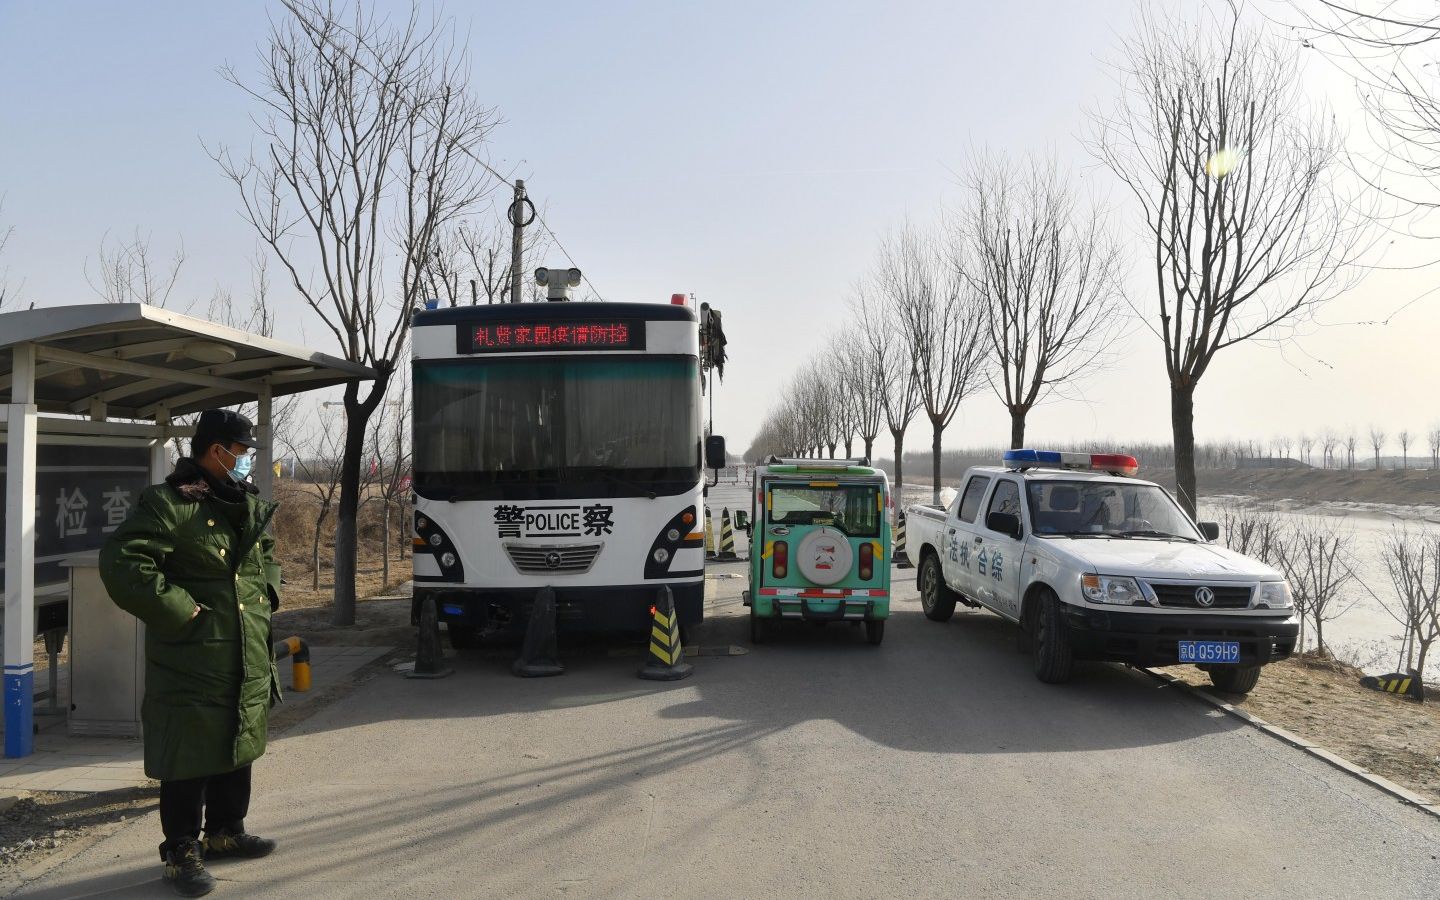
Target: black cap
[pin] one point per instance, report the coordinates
(221, 426)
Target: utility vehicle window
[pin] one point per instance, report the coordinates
(1070, 508)
(1006, 499)
(970, 500)
(853, 509)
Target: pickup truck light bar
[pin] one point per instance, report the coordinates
(1114, 463)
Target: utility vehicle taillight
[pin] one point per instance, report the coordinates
(867, 561)
(780, 559)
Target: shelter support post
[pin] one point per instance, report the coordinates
(265, 453)
(22, 424)
(159, 455)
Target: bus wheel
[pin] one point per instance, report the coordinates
(875, 631)
(463, 637)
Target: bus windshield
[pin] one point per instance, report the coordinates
(616, 425)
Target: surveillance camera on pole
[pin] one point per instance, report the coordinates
(558, 283)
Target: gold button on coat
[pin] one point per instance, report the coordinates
(222, 551)
(210, 522)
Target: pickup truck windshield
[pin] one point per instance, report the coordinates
(1106, 509)
(852, 508)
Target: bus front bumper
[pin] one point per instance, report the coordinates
(577, 609)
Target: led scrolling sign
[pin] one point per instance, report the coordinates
(519, 337)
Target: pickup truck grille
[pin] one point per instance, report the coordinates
(553, 559)
(1183, 596)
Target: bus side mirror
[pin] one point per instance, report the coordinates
(715, 452)
(1211, 530)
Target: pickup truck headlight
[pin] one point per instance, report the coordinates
(1112, 589)
(1275, 595)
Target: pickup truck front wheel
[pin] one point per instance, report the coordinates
(936, 598)
(1054, 657)
(1235, 679)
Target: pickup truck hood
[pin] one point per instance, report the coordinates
(1156, 559)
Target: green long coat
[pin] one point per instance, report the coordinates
(208, 680)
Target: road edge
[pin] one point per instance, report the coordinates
(1385, 785)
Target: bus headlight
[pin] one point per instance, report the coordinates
(1275, 595)
(447, 559)
(436, 540)
(1111, 589)
(661, 555)
(673, 535)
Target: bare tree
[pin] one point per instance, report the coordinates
(1377, 440)
(1413, 561)
(1330, 442)
(1048, 271)
(8, 291)
(319, 464)
(1404, 438)
(369, 125)
(866, 381)
(899, 388)
(1434, 439)
(129, 272)
(1316, 558)
(1238, 186)
(1306, 444)
(471, 260)
(941, 319)
(1350, 443)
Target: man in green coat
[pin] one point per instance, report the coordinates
(195, 564)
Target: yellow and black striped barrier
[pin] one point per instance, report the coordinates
(1412, 686)
(299, 653)
(709, 535)
(727, 538)
(665, 660)
(902, 558)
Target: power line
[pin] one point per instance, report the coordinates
(294, 11)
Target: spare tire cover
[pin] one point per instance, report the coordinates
(824, 556)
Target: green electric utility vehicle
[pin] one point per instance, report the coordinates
(820, 545)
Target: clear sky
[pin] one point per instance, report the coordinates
(748, 152)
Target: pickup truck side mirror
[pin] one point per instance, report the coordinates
(1211, 530)
(1004, 523)
(742, 520)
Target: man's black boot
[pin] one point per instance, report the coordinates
(224, 844)
(185, 870)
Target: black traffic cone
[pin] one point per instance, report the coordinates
(666, 659)
(540, 654)
(727, 538)
(429, 657)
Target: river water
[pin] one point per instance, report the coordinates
(1364, 633)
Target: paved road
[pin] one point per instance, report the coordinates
(933, 766)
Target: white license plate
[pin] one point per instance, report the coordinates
(1209, 651)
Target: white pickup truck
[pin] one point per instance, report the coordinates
(1093, 563)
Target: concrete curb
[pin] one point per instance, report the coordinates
(1399, 792)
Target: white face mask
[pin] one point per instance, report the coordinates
(242, 465)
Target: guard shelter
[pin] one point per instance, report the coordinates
(119, 375)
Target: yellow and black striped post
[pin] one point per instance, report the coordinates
(727, 538)
(665, 660)
(299, 653)
(902, 559)
(709, 535)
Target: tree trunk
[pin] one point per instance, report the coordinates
(899, 437)
(1320, 636)
(870, 447)
(385, 544)
(1182, 424)
(936, 431)
(1424, 654)
(315, 548)
(849, 442)
(831, 447)
(1017, 427)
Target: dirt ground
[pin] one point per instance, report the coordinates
(1322, 700)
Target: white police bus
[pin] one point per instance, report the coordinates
(560, 445)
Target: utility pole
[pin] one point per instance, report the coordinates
(518, 222)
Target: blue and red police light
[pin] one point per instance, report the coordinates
(1115, 463)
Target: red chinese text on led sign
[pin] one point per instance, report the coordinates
(553, 336)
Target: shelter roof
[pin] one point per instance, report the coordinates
(138, 359)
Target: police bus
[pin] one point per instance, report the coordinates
(560, 445)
